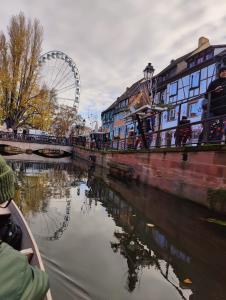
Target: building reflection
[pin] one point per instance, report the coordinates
(154, 230)
(159, 236)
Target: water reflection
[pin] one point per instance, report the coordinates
(183, 248)
(138, 243)
(39, 184)
(143, 243)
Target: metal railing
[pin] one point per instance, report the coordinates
(33, 138)
(212, 132)
(209, 130)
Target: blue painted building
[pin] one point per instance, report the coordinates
(186, 79)
(181, 85)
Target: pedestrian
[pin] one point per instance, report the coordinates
(217, 106)
(183, 132)
(130, 139)
(18, 280)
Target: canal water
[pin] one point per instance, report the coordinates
(102, 239)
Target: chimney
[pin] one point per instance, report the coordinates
(203, 41)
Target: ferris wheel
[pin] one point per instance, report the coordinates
(59, 74)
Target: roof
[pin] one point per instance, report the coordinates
(175, 62)
(130, 91)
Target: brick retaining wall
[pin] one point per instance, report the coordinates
(196, 175)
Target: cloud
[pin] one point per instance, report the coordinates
(112, 41)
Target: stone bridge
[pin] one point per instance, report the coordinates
(33, 144)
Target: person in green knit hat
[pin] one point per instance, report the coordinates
(18, 279)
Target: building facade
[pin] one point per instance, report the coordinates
(179, 88)
(183, 83)
(114, 118)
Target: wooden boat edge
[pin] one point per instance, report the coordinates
(16, 213)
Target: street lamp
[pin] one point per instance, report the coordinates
(149, 71)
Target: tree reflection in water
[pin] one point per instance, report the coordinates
(141, 246)
(136, 255)
(40, 183)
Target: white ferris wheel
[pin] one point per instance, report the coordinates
(60, 75)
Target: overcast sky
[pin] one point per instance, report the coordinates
(111, 41)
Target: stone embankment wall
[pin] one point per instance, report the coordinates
(195, 174)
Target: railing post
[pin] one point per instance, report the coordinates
(206, 122)
(158, 138)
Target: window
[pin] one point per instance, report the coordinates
(204, 73)
(181, 94)
(162, 97)
(156, 98)
(191, 63)
(209, 55)
(193, 109)
(195, 78)
(199, 60)
(171, 115)
(202, 86)
(173, 89)
(211, 70)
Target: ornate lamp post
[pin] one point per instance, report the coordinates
(149, 71)
(148, 75)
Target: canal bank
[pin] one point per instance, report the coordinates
(194, 173)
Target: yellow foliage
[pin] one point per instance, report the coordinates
(22, 100)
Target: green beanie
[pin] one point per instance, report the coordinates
(7, 181)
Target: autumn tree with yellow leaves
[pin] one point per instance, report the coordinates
(64, 120)
(22, 100)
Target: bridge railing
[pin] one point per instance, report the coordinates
(33, 138)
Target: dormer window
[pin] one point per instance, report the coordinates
(191, 63)
(200, 59)
(209, 55)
